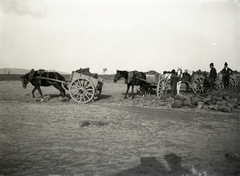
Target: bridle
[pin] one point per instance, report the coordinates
(24, 81)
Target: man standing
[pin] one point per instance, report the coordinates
(173, 82)
(212, 76)
(226, 75)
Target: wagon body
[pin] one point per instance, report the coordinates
(151, 81)
(97, 82)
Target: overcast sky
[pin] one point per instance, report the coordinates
(144, 35)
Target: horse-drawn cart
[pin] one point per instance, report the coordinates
(198, 82)
(151, 82)
(82, 88)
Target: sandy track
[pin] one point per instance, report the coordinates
(46, 138)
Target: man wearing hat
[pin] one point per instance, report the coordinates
(226, 72)
(212, 76)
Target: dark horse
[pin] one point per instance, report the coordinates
(33, 78)
(131, 79)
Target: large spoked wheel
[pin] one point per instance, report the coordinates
(162, 87)
(200, 85)
(82, 90)
(232, 82)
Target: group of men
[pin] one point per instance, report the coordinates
(226, 72)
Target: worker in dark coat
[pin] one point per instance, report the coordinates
(173, 83)
(226, 72)
(212, 76)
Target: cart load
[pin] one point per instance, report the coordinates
(86, 71)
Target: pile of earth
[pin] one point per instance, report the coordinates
(225, 100)
(95, 123)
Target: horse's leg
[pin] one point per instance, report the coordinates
(128, 86)
(40, 91)
(34, 89)
(143, 90)
(132, 91)
(59, 87)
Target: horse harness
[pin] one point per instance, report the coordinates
(40, 72)
(130, 77)
(133, 77)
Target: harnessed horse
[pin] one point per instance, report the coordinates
(37, 82)
(131, 79)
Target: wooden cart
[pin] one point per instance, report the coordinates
(198, 82)
(82, 88)
(151, 82)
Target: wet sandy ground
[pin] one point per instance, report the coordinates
(43, 139)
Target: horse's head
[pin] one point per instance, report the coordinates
(24, 81)
(117, 76)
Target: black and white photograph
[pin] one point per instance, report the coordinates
(119, 87)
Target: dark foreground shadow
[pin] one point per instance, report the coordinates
(104, 96)
(68, 97)
(150, 166)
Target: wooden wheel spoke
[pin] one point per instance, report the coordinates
(75, 85)
(89, 90)
(83, 98)
(78, 96)
(197, 89)
(87, 96)
(88, 93)
(232, 83)
(196, 82)
(200, 80)
(79, 83)
(82, 90)
(87, 85)
(74, 94)
(83, 84)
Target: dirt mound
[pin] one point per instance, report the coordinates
(96, 123)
